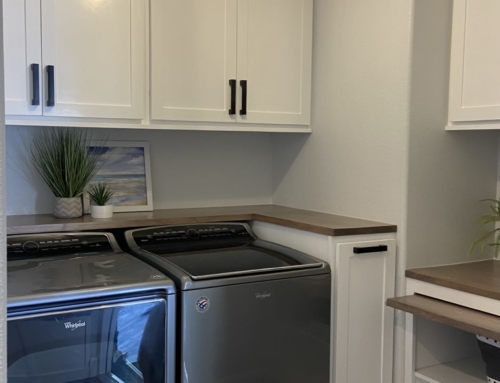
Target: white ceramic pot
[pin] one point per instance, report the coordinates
(101, 211)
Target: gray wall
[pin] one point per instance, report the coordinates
(353, 163)
(189, 169)
(449, 172)
(379, 149)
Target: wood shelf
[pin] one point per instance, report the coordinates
(327, 224)
(470, 370)
(463, 318)
(480, 278)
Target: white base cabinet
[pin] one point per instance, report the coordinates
(448, 355)
(364, 324)
(363, 277)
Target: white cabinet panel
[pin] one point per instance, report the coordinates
(193, 57)
(364, 324)
(97, 49)
(274, 57)
(475, 61)
(22, 48)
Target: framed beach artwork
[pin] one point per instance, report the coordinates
(125, 167)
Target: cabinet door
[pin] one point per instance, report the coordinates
(22, 48)
(97, 52)
(364, 324)
(193, 57)
(475, 61)
(274, 58)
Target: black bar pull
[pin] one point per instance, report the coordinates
(35, 84)
(50, 90)
(232, 84)
(371, 249)
(243, 84)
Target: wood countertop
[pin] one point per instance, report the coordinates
(327, 224)
(480, 278)
(463, 318)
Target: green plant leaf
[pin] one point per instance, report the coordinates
(100, 193)
(64, 160)
(485, 219)
(482, 239)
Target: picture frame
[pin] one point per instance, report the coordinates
(127, 170)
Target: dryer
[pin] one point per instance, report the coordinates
(81, 310)
(250, 311)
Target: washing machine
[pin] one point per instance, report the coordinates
(250, 311)
(80, 310)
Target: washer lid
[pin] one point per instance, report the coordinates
(217, 251)
(66, 272)
(232, 261)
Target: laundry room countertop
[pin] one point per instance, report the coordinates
(322, 223)
(479, 277)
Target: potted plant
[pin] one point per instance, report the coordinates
(495, 232)
(100, 194)
(67, 163)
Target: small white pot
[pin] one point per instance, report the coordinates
(101, 211)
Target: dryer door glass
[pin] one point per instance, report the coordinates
(116, 343)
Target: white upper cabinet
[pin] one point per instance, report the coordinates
(193, 59)
(274, 61)
(23, 62)
(241, 65)
(475, 61)
(246, 61)
(94, 58)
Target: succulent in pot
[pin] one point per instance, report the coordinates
(100, 194)
(67, 163)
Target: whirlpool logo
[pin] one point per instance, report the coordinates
(74, 325)
(263, 295)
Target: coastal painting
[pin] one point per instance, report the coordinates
(124, 166)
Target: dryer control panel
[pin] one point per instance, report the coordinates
(57, 244)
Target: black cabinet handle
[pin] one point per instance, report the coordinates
(50, 90)
(232, 84)
(243, 84)
(371, 249)
(35, 85)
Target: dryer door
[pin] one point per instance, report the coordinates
(113, 343)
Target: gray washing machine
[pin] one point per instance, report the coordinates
(251, 311)
(80, 310)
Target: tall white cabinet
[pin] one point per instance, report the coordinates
(243, 61)
(90, 57)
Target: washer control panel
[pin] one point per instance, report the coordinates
(197, 235)
(57, 244)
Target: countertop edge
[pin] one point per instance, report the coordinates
(414, 274)
(242, 213)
